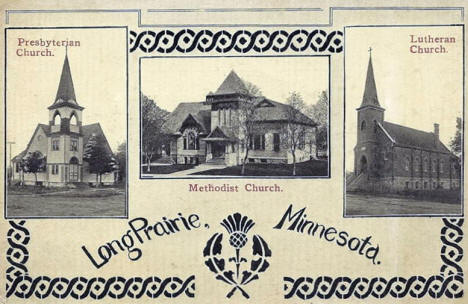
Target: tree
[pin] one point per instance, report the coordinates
(153, 135)
(121, 157)
(455, 143)
(97, 156)
(319, 113)
(293, 133)
(246, 119)
(33, 162)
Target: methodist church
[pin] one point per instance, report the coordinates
(61, 142)
(210, 131)
(392, 157)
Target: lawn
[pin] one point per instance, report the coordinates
(360, 204)
(68, 202)
(307, 168)
(165, 169)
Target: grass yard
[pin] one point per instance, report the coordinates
(371, 205)
(74, 202)
(155, 169)
(307, 168)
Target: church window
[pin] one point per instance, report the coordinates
(73, 120)
(191, 141)
(407, 163)
(425, 164)
(434, 165)
(55, 169)
(55, 144)
(57, 119)
(375, 126)
(17, 167)
(417, 185)
(301, 143)
(416, 164)
(224, 117)
(276, 142)
(425, 185)
(363, 125)
(259, 142)
(74, 145)
(407, 185)
(441, 166)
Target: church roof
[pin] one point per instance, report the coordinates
(370, 90)
(231, 85)
(409, 137)
(66, 91)
(277, 111)
(87, 131)
(200, 111)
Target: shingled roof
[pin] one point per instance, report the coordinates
(200, 111)
(370, 90)
(409, 137)
(232, 84)
(66, 91)
(280, 112)
(94, 129)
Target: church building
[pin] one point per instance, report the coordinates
(212, 130)
(61, 142)
(391, 157)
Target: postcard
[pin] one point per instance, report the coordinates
(257, 152)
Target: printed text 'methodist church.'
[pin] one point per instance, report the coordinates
(62, 141)
(391, 157)
(210, 131)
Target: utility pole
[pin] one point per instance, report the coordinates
(10, 173)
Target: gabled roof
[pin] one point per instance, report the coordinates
(94, 129)
(409, 137)
(219, 134)
(276, 111)
(200, 111)
(66, 91)
(370, 90)
(232, 84)
(45, 128)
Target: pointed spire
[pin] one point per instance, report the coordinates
(66, 90)
(232, 84)
(370, 90)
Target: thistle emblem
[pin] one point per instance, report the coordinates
(237, 227)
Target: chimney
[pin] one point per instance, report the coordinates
(436, 130)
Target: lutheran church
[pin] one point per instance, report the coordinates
(209, 131)
(390, 157)
(61, 142)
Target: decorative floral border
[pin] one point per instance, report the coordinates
(22, 285)
(240, 41)
(448, 283)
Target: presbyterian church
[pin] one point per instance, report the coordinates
(61, 142)
(210, 131)
(391, 157)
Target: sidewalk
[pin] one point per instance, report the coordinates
(199, 168)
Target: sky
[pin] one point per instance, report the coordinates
(169, 81)
(416, 90)
(98, 73)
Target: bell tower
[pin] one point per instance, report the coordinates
(369, 115)
(65, 141)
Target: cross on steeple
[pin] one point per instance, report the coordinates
(370, 50)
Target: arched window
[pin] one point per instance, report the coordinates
(407, 163)
(57, 119)
(191, 140)
(73, 119)
(425, 164)
(441, 166)
(375, 126)
(363, 125)
(416, 164)
(434, 165)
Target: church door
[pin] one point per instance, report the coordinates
(363, 165)
(74, 169)
(217, 149)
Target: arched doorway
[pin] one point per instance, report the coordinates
(363, 164)
(74, 167)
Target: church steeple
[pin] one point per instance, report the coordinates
(370, 90)
(66, 92)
